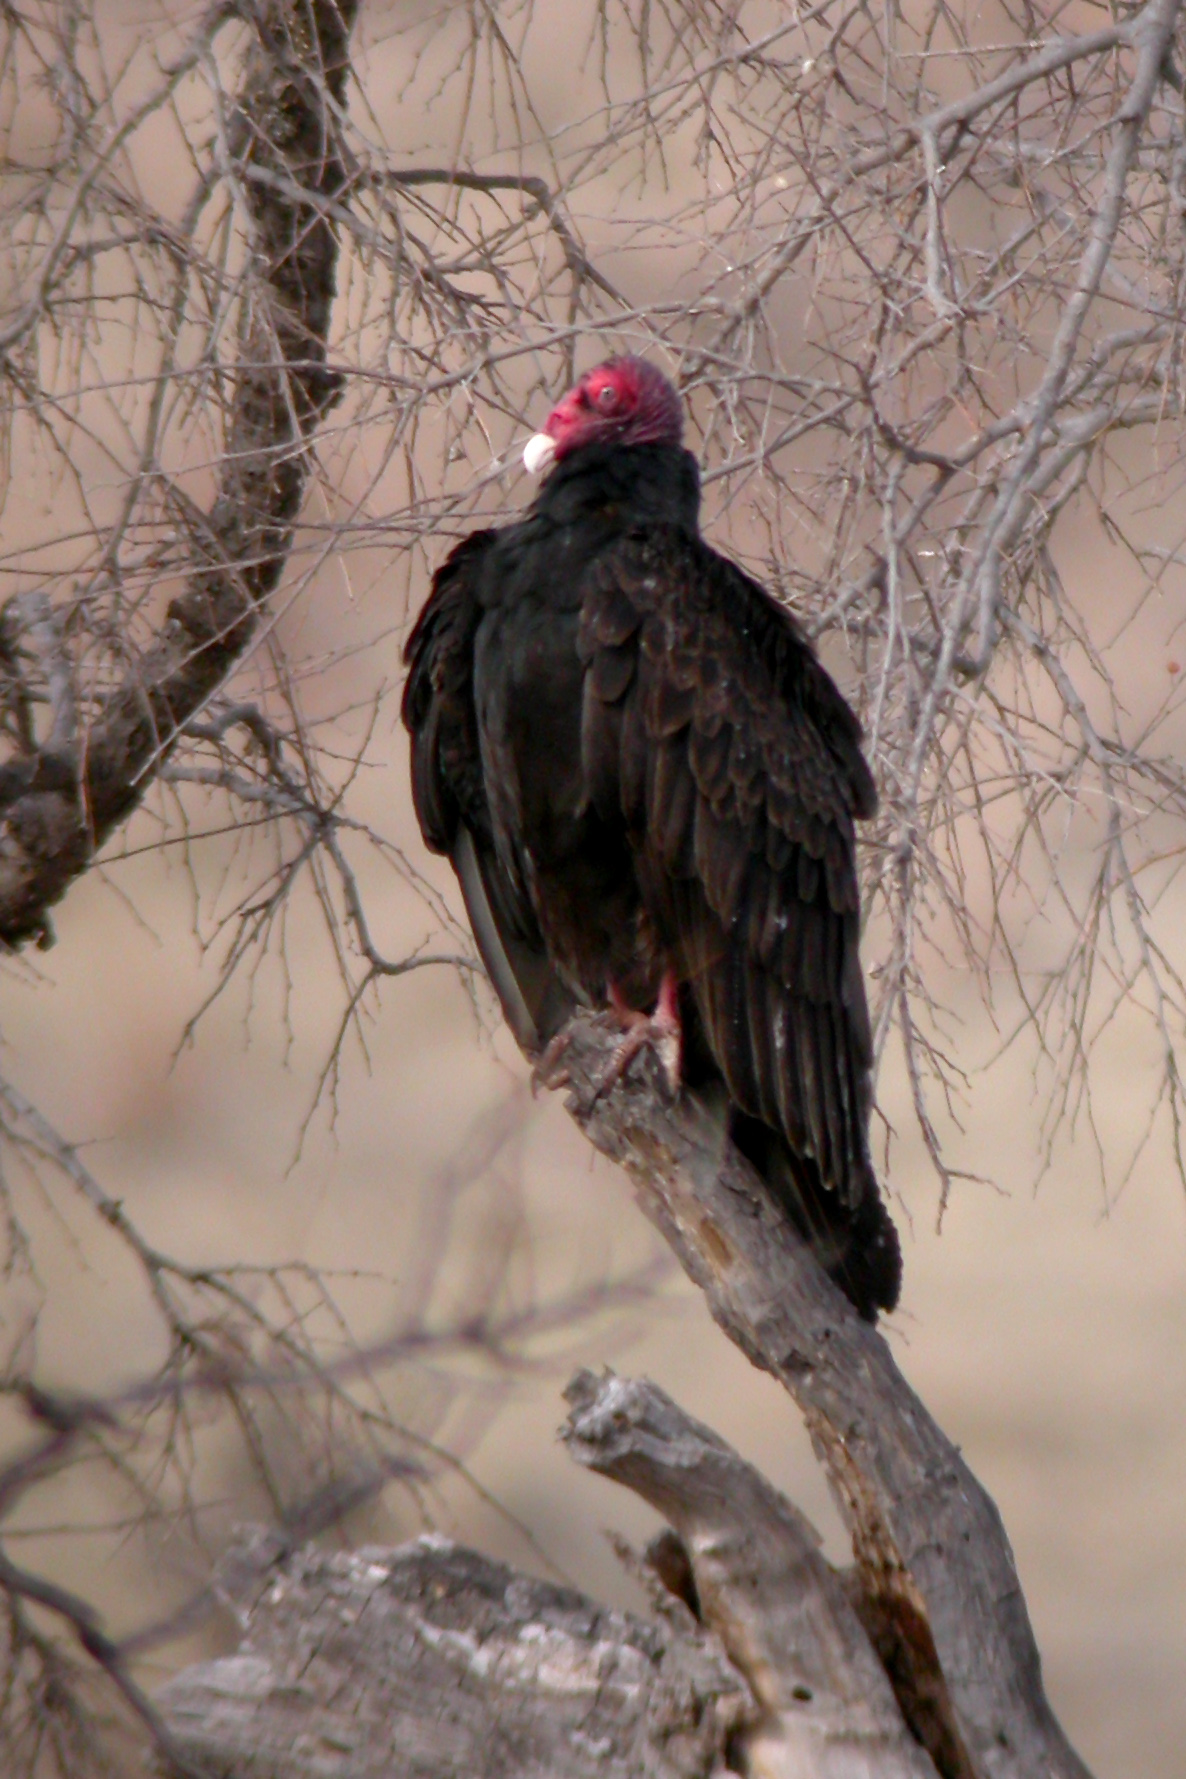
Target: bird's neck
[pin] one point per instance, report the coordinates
(629, 484)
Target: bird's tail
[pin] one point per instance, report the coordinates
(857, 1245)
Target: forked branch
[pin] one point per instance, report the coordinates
(921, 1662)
(936, 1571)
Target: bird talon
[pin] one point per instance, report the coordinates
(659, 1031)
(548, 1072)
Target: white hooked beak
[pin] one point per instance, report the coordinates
(538, 453)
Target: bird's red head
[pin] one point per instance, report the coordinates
(624, 401)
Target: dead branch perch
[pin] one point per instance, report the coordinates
(932, 1555)
(935, 1603)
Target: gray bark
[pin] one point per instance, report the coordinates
(938, 1586)
(760, 1583)
(431, 1662)
(431, 1659)
(921, 1661)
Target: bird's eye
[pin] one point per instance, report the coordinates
(607, 397)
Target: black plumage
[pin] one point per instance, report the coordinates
(641, 770)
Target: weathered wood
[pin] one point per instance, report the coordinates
(932, 1554)
(430, 1659)
(432, 1662)
(779, 1608)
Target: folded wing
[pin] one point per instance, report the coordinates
(448, 789)
(736, 765)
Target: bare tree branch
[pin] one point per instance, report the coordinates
(61, 801)
(933, 1558)
(760, 1583)
(921, 274)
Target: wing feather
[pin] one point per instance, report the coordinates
(762, 1041)
(708, 753)
(673, 798)
(739, 776)
(448, 789)
(437, 704)
(613, 670)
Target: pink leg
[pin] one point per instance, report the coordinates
(661, 1029)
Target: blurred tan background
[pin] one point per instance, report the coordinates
(1046, 1330)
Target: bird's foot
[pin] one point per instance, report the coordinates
(550, 1068)
(661, 1030)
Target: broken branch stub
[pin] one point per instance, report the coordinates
(779, 1608)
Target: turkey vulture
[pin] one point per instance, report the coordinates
(647, 784)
